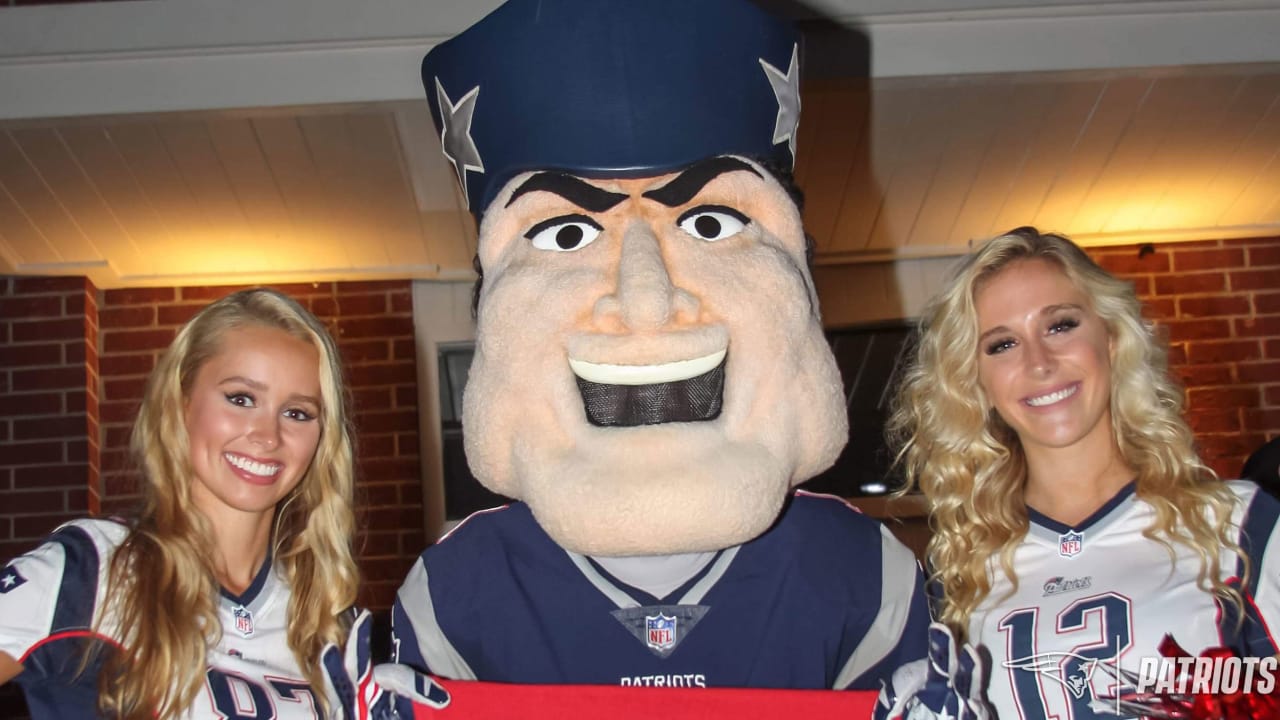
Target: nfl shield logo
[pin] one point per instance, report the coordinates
(1070, 544)
(244, 620)
(660, 631)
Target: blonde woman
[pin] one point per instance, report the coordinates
(1074, 523)
(218, 599)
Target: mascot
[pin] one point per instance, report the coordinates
(650, 378)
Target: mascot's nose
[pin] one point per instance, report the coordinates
(645, 297)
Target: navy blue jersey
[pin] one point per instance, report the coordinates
(51, 605)
(826, 598)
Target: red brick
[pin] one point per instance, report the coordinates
(60, 475)
(30, 355)
(395, 373)
(385, 568)
(1213, 306)
(21, 307)
(4, 431)
(1262, 256)
(1222, 398)
(1227, 468)
(1272, 348)
(1271, 396)
(1255, 279)
(32, 453)
(365, 351)
(1262, 419)
(177, 314)
(1190, 283)
(127, 316)
(1141, 285)
(120, 485)
(74, 305)
(1266, 326)
(74, 353)
(137, 296)
(413, 541)
(34, 331)
(1180, 330)
(362, 305)
(376, 446)
(297, 291)
(1129, 263)
(61, 427)
(1266, 303)
(411, 493)
(1263, 372)
(407, 444)
(31, 502)
(125, 341)
(378, 595)
(118, 412)
(365, 399)
(19, 546)
(116, 436)
(1204, 375)
(207, 294)
(1230, 351)
(368, 286)
(378, 495)
(376, 544)
(1229, 445)
(402, 302)
(375, 327)
(114, 460)
(76, 401)
(34, 285)
(1184, 260)
(380, 422)
(26, 404)
(391, 469)
(1160, 308)
(77, 501)
(127, 389)
(112, 365)
(63, 378)
(407, 396)
(404, 350)
(77, 451)
(37, 526)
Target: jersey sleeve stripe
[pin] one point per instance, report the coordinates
(436, 649)
(1255, 535)
(898, 580)
(70, 634)
(78, 593)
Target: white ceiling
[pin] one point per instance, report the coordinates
(169, 142)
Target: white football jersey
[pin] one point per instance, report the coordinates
(1100, 595)
(52, 598)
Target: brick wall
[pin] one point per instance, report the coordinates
(373, 323)
(52, 424)
(48, 406)
(1219, 303)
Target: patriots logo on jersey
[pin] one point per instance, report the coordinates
(1070, 544)
(244, 620)
(10, 579)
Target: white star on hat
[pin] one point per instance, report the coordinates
(455, 134)
(786, 87)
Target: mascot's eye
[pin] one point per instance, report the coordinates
(713, 222)
(565, 233)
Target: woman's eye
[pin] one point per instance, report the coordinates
(565, 233)
(999, 346)
(1064, 325)
(240, 399)
(299, 415)
(713, 222)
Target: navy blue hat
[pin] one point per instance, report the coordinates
(612, 88)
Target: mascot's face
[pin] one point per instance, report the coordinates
(650, 372)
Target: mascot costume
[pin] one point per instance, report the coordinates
(650, 378)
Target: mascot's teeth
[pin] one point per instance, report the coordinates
(1053, 397)
(253, 466)
(645, 374)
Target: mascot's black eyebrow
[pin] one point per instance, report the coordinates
(690, 182)
(583, 194)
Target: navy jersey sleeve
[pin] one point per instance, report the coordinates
(899, 632)
(417, 636)
(1261, 543)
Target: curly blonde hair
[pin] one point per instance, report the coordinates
(161, 589)
(956, 449)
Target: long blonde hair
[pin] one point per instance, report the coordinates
(970, 466)
(162, 590)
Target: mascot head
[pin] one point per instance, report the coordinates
(650, 372)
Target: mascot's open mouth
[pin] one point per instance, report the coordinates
(630, 395)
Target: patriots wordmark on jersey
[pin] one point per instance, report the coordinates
(50, 610)
(827, 598)
(1095, 600)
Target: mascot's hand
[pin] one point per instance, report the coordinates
(948, 685)
(386, 692)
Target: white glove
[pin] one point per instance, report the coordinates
(945, 686)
